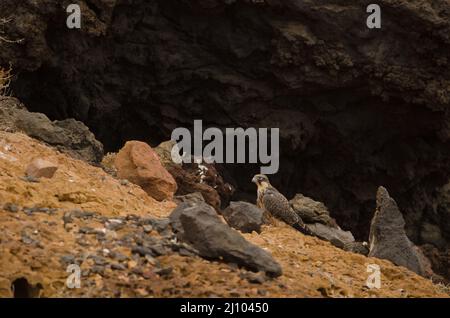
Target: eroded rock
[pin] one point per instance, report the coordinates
(244, 216)
(334, 235)
(388, 240)
(138, 163)
(200, 226)
(196, 177)
(311, 211)
(69, 136)
(41, 168)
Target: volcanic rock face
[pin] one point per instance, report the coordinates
(69, 135)
(356, 107)
(388, 239)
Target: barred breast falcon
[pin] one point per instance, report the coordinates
(273, 202)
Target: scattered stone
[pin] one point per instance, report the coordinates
(388, 240)
(118, 256)
(11, 207)
(147, 228)
(40, 168)
(118, 267)
(158, 249)
(200, 226)
(161, 225)
(255, 278)
(30, 179)
(67, 259)
(142, 251)
(163, 271)
(334, 235)
(139, 163)
(244, 216)
(87, 230)
(97, 269)
(98, 260)
(311, 211)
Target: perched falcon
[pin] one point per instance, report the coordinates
(273, 202)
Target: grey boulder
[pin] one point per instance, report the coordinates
(388, 240)
(199, 225)
(244, 216)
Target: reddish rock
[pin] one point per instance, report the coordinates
(40, 168)
(138, 163)
(193, 177)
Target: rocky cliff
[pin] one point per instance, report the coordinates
(357, 108)
(118, 236)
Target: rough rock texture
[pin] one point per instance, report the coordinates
(138, 163)
(388, 239)
(41, 168)
(335, 236)
(356, 107)
(200, 226)
(69, 135)
(193, 198)
(312, 211)
(112, 230)
(244, 216)
(194, 177)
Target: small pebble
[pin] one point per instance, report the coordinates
(10, 207)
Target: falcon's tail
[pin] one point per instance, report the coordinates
(301, 227)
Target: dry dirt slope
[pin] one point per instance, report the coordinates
(40, 238)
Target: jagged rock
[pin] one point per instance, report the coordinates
(335, 236)
(69, 136)
(199, 225)
(138, 163)
(244, 216)
(194, 177)
(388, 240)
(311, 211)
(40, 168)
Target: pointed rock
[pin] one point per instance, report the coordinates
(388, 240)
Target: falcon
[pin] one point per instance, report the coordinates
(273, 202)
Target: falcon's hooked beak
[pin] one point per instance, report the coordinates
(260, 180)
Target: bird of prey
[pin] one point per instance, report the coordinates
(273, 202)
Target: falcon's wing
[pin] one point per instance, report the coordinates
(275, 203)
